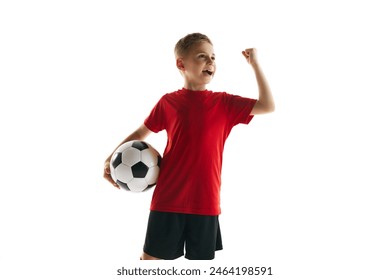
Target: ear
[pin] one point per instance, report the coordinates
(180, 64)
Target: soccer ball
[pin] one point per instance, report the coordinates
(135, 166)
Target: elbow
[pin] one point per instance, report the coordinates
(263, 107)
(269, 105)
(266, 108)
(271, 108)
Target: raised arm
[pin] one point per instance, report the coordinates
(265, 102)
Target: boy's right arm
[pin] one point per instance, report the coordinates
(139, 134)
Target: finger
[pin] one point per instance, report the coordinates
(115, 184)
(109, 178)
(107, 167)
(251, 51)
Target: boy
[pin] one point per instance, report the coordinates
(186, 201)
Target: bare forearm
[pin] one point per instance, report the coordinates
(264, 94)
(265, 102)
(139, 134)
(133, 136)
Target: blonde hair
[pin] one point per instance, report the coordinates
(184, 44)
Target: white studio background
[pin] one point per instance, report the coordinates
(304, 188)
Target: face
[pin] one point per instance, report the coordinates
(198, 66)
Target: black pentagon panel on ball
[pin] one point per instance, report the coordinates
(140, 145)
(122, 185)
(139, 170)
(159, 161)
(117, 160)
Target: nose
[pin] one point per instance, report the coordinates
(210, 61)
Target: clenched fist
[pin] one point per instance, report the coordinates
(250, 55)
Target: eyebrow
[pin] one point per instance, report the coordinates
(199, 52)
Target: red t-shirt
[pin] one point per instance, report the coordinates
(197, 125)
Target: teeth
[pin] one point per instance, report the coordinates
(208, 72)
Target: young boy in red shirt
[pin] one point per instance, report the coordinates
(186, 201)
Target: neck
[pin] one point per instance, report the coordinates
(194, 87)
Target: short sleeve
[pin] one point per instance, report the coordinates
(239, 109)
(156, 119)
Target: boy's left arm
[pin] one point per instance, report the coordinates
(265, 102)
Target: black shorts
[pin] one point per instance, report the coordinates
(169, 233)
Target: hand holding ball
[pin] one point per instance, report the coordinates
(135, 166)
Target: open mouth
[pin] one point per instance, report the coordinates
(208, 72)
